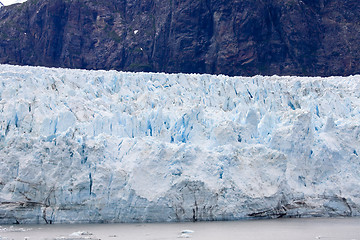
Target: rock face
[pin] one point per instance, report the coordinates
(96, 146)
(247, 37)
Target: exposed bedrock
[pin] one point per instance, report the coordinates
(247, 37)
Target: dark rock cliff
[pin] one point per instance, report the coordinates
(247, 37)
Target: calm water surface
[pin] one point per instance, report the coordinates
(279, 229)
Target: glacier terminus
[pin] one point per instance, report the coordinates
(106, 146)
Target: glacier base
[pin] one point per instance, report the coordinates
(105, 146)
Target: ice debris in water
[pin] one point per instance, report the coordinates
(77, 238)
(14, 229)
(81, 233)
(186, 233)
(107, 146)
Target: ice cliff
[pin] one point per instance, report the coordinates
(98, 146)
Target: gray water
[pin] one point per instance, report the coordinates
(279, 229)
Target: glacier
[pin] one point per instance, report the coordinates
(86, 146)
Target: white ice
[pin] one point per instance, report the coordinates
(10, 2)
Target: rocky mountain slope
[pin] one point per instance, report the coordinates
(96, 146)
(246, 37)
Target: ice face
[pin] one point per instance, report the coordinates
(107, 146)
